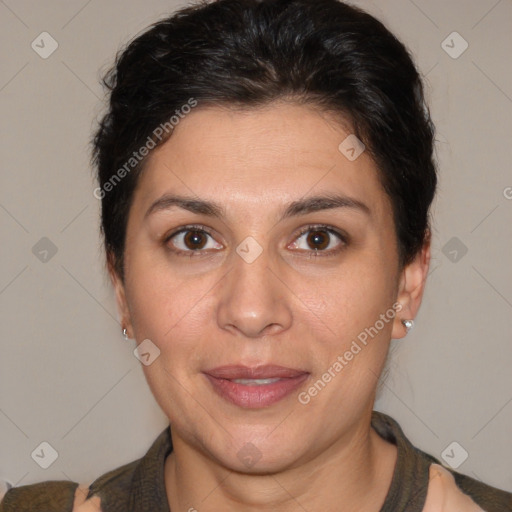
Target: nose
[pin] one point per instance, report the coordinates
(254, 302)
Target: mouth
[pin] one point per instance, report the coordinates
(255, 387)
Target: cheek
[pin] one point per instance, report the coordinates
(350, 342)
(162, 302)
(350, 338)
(173, 313)
(352, 298)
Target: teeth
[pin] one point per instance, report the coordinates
(255, 382)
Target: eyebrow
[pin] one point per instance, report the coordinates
(300, 207)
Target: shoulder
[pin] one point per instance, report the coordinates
(66, 496)
(447, 490)
(82, 503)
(110, 492)
(490, 498)
(50, 496)
(454, 492)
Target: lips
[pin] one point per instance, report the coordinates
(255, 387)
(257, 372)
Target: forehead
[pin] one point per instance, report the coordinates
(267, 155)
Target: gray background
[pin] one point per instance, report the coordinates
(68, 377)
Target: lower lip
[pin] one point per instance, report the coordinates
(255, 397)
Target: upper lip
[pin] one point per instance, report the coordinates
(256, 372)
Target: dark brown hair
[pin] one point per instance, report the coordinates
(249, 53)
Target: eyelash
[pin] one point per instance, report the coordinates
(314, 253)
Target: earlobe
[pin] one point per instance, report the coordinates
(122, 305)
(410, 290)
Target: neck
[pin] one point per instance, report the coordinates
(355, 471)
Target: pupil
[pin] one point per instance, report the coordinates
(194, 240)
(318, 239)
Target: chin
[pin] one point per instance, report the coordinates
(258, 457)
(259, 467)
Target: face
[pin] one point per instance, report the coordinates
(262, 263)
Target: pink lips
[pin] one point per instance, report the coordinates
(253, 396)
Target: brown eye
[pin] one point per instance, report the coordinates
(194, 240)
(318, 239)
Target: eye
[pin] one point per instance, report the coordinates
(194, 240)
(319, 239)
(191, 239)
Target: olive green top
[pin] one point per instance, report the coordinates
(139, 486)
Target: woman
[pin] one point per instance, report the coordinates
(266, 172)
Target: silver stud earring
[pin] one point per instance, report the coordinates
(408, 324)
(125, 334)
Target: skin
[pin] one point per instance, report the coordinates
(288, 307)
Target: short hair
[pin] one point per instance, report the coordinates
(250, 53)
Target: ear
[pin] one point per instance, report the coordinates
(411, 287)
(122, 305)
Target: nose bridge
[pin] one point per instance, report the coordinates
(252, 274)
(253, 299)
